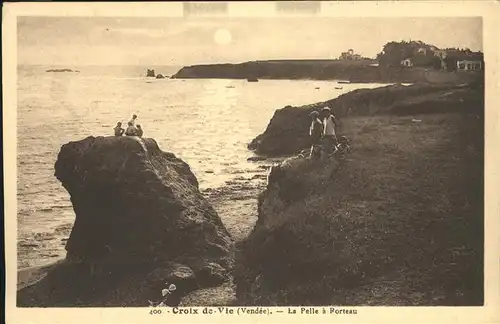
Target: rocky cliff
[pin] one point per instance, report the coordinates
(288, 130)
(140, 222)
(398, 221)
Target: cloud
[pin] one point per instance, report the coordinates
(155, 33)
(151, 32)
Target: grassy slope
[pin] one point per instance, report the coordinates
(400, 222)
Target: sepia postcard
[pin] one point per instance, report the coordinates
(251, 162)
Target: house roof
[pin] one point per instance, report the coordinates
(469, 60)
(466, 56)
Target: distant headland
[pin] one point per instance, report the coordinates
(406, 62)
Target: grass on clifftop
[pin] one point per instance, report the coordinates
(399, 222)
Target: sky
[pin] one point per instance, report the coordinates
(195, 40)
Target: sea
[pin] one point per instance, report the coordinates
(206, 122)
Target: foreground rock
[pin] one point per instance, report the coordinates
(140, 222)
(288, 130)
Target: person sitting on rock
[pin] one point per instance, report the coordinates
(329, 137)
(316, 133)
(133, 120)
(131, 130)
(140, 132)
(118, 129)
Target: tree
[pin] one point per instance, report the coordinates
(394, 52)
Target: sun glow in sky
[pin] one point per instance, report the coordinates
(184, 41)
(222, 37)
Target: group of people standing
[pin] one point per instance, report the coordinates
(132, 128)
(323, 133)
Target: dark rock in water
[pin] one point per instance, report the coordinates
(150, 73)
(259, 176)
(25, 244)
(61, 70)
(138, 211)
(160, 76)
(256, 158)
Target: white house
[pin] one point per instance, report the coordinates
(422, 50)
(349, 55)
(408, 62)
(466, 65)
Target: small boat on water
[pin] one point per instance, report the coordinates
(339, 88)
(344, 82)
(230, 87)
(252, 80)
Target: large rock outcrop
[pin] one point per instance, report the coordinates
(288, 130)
(150, 73)
(140, 222)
